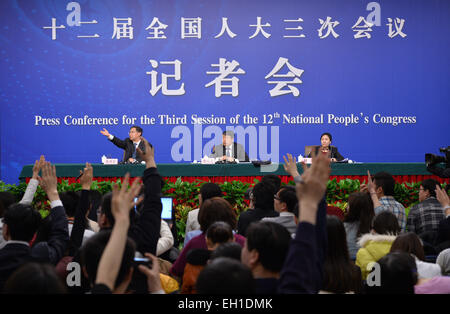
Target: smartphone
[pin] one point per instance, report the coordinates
(135, 206)
(142, 261)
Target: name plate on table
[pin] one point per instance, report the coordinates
(305, 160)
(110, 161)
(207, 161)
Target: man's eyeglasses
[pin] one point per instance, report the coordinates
(275, 197)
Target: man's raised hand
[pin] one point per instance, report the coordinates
(87, 176)
(105, 132)
(37, 167)
(49, 182)
(290, 166)
(442, 196)
(123, 198)
(312, 187)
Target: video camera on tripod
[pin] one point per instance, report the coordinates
(432, 161)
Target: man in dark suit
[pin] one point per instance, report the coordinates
(262, 198)
(129, 144)
(229, 150)
(22, 221)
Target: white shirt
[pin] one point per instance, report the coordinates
(427, 270)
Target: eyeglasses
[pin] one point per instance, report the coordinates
(276, 198)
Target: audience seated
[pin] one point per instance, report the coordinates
(264, 252)
(35, 278)
(273, 180)
(20, 225)
(301, 250)
(145, 229)
(410, 243)
(435, 285)
(381, 191)
(378, 242)
(6, 199)
(340, 274)
(218, 233)
(212, 210)
(262, 198)
(357, 220)
(425, 216)
(207, 190)
(443, 260)
(397, 275)
(166, 240)
(228, 249)
(284, 203)
(91, 255)
(225, 276)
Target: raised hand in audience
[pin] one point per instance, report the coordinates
(123, 198)
(121, 203)
(312, 187)
(28, 196)
(49, 182)
(443, 198)
(363, 188)
(37, 167)
(371, 188)
(149, 155)
(87, 176)
(290, 166)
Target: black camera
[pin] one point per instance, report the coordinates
(432, 160)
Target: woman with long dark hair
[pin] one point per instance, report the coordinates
(340, 274)
(358, 220)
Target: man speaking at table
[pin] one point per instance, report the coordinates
(229, 150)
(129, 144)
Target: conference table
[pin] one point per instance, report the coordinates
(245, 172)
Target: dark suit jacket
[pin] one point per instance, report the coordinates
(443, 234)
(128, 146)
(333, 153)
(12, 256)
(253, 215)
(52, 249)
(238, 152)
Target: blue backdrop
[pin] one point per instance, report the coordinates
(396, 83)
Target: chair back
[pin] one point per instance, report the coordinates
(309, 148)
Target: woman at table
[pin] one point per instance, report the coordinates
(326, 148)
